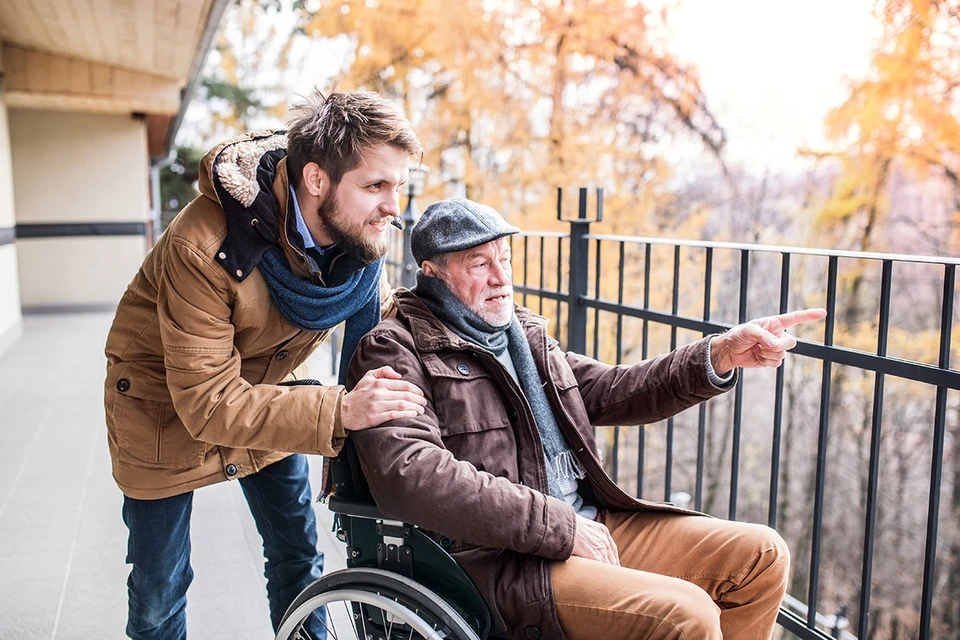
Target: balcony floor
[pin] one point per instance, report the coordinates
(62, 541)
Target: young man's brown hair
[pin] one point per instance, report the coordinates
(334, 130)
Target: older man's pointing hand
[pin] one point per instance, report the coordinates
(763, 342)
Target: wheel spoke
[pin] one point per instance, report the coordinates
(383, 618)
(323, 620)
(363, 623)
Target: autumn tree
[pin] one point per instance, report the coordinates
(513, 99)
(902, 118)
(246, 82)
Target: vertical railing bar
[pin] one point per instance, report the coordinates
(644, 349)
(619, 351)
(542, 284)
(778, 403)
(616, 454)
(702, 417)
(738, 391)
(816, 543)
(675, 310)
(526, 267)
(936, 464)
(646, 297)
(620, 302)
(873, 475)
(596, 311)
(561, 324)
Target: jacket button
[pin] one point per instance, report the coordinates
(231, 469)
(445, 542)
(123, 385)
(532, 632)
(282, 354)
(463, 369)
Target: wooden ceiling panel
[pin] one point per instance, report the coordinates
(159, 37)
(45, 81)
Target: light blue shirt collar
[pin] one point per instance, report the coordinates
(308, 240)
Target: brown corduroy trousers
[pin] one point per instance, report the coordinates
(681, 577)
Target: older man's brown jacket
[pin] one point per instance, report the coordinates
(471, 468)
(198, 347)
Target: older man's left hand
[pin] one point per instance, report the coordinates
(763, 342)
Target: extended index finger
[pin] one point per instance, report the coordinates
(794, 318)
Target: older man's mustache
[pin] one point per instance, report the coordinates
(502, 291)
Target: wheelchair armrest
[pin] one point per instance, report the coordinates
(354, 506)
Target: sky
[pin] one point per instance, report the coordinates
(772, 69)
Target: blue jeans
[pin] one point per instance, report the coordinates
(158, 548)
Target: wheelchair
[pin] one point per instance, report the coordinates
(399, 582)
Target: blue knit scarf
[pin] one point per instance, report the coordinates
(311, 307)
(560, 460)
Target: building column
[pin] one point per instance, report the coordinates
(11, 322)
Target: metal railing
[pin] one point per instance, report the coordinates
(580, 313)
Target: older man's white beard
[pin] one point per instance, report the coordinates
(495, 318)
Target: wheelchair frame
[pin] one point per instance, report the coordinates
(392, 567)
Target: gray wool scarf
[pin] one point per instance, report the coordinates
(560, 461)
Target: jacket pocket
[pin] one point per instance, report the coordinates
(150, 434)
(534, 578)
(472, 418)
(560, 372)
(481, 442)
(471, 401)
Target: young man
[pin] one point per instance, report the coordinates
(503, 460)
(284, 243)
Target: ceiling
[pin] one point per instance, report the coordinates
(106, 56)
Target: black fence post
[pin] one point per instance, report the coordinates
(579, 269)
(409, 217)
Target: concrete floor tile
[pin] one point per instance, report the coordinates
(98, 533)
(227, 598)
(95, 598)
(47, 567)
(57, 474)
(27, 607)
(19, 513)
(19, 539)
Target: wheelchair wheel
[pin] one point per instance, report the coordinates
(371, 604)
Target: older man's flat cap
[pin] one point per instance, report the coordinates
(456, 224)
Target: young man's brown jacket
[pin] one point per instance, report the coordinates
(471, 468)
(198, 346)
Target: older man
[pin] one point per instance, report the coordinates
(503, 460)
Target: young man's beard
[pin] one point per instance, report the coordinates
(351, 239)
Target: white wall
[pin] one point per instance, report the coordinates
(78, 168)
(10, 319)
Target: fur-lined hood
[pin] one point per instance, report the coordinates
(236, 162)
(247, 176)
